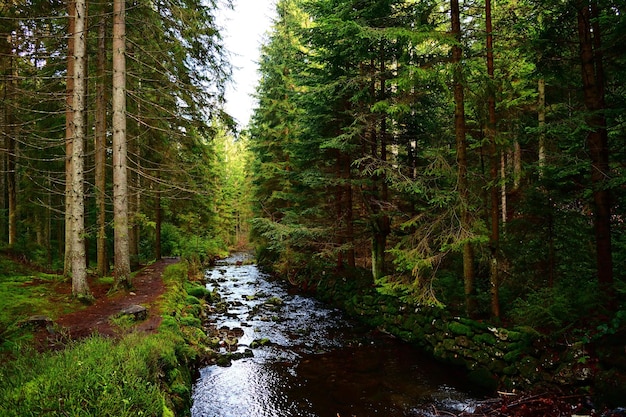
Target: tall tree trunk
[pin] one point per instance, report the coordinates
(493, 169)
(339, 209)
(349, 215)
(100, 150)
(589, 36)
(134, 199)
(541, 120)
(69, 115)
(5, 67)
(158, 225)
(460, 132)
(503, 187)
(381, 219)
(77, 197)
(120, 150)
(11, 149)
(8, 57)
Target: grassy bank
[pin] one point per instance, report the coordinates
(139, 374)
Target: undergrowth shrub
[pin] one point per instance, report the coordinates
(555, 308)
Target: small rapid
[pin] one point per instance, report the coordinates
(302, 358)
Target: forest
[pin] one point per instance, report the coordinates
(467, 156)
(116, 150)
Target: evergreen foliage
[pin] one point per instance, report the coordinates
(178, 179)
(355, 153)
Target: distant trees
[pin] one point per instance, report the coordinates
(450, 139)
(165, 77)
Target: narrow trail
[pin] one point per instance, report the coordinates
(95, 319)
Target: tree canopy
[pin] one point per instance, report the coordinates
(468, 154)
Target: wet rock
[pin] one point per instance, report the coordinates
(237, 331)
(274, 301)
(224, 361)
(256, 343)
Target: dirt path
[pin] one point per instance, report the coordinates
(148, 287)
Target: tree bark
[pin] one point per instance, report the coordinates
(120, 150)
(493, 169)
(134, 199)
(460, 132)
(77, 197)
(100, 150)
(541, 120)
(589, 36)
(11, 149)
(69, 120)
(158, 225)
(8, 61)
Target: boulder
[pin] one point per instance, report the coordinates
(138, 312)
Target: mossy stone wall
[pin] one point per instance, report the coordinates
(495, 357)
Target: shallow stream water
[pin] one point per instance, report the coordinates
(313, 361)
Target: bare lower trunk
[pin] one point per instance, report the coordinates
(100, 151)
(493, 170)
(541, 119)
(461, 157)
(597, 139)
(69, 121)
(158, 221)
(120, 150)
(77, 197)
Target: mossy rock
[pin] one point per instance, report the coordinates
(480, 356)
(497, 366)
(463, 341)
(528, 368)
(259, 343)
(460, 329)
(136, 311)
(512, 356)
(224, 361)
(275, 301)
(440, 352)
(484, 339)
(514, 336)
(439, 324)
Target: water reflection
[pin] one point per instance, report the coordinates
(318, 362)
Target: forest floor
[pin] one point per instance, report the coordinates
(96, 318)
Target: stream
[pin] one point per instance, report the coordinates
(310, 360)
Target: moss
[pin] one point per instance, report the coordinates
(190, 321)
(484, 339)
(190, 299)
(512, 356)
(200, 292)
(460, 329)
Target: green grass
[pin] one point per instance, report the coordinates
(97, 377)
(138, 375)
(26, 294)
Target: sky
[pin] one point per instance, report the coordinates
(243, 31)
